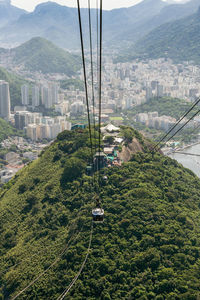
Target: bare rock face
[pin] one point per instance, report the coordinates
(128, 151)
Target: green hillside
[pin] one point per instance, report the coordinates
(6, 130)
(39, 54)
(177, 40)
(167, 106)
(75, 83)
(147, 248)
(15, 83)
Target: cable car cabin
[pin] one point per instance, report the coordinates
(100, 161)
(98, 215)
(89, 170)
(76, 126)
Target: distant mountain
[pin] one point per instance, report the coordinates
(15, 83)
(179, 40)
(59, 24)
(9, 13)
(49, 20)
(168, 13)
(125, 24)
(38, 54)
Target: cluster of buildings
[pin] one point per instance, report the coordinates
(152, 120)
(36, 126)
(46, 95)
(49, 96)
(15, 160)
(131, 84)
(39, 127)
(124, 85)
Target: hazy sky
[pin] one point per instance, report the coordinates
(107, 4)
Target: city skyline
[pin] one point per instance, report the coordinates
(31, 4)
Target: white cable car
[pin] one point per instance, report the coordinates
(105, 178)
(98, 215)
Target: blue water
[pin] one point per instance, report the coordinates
(188, 161)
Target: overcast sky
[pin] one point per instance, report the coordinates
(107, 4)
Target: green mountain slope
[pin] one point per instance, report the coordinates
(177, 40)
(147, 248)
(39, 54)
(167, 106)
(15, 83)
(6, 130)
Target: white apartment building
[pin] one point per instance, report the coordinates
(4, 100)
(49, 129)
(49, 95)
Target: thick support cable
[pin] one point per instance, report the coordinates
(45, 271)
(85, 76)
(62, 296)
(97, 16)
(97, 81)
(171, 129)
(91, 62)
(194, 115)
(100, 80)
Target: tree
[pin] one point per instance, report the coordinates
(74, 168)
(109, 139)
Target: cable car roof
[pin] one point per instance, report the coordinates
(98, 211)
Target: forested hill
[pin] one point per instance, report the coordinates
(147, 248)
(41, 55)
(168, 106)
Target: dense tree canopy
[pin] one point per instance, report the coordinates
(147, 248)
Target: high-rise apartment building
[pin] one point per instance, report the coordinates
(20, 120)
(50, 95)
(46, 99)
(77, 108)
(149, 93)
(160, 90)
(53, 91)
(25, 94)
(4, 100)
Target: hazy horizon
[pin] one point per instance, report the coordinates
(31, 4)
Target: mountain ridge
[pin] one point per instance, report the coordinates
(177, 40)
(41, 55)
(60, 25)
(9, 13)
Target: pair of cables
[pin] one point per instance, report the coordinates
(167, 137)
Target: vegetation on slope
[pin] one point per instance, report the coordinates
(15, 83)
(177, 40)
(147, 248)
(167, 106)
(39, 54)
(76, 83)
(6, 130)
